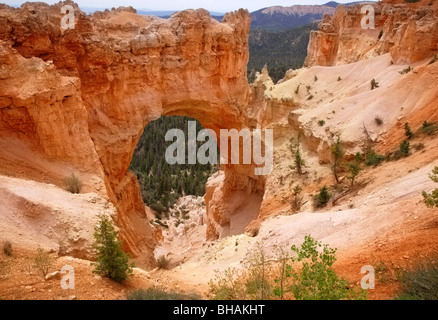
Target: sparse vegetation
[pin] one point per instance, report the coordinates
(297, 90)
(338, 153)
(42, 261)
(378, 120)
(316, 279)
(257, 285)
(163, 262)
(321, 123)
(322, 198)
(428, 128)
(339, 78)
(7, 248)
(354, 170)
(373, 159)
(112, 261)
(406, 70)
(73, 184)
(420, 283)
(304, 274)
(374, 84)
(160, 294)
(408, 131)
(297, 199)
(299, 162)
(431, 199)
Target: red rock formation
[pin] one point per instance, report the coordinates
(83, 96)
(408, 31)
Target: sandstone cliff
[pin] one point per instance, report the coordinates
(81, 97)
(408, 31)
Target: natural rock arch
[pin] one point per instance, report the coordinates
(84, 96)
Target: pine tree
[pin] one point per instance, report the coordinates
(112, 261)
(431, 199)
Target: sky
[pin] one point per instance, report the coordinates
(212, 5)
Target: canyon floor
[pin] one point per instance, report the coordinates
(384, 224)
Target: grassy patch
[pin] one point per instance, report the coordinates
(420, 283)
(160, 294)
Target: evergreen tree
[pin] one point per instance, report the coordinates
(112, 261)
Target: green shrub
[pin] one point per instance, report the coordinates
(299, 162)
(373, 159)
(112, 261)
(7, 248)
(421, 283)
(354, 170)
(322, 198)
(159, 294)
(405, 148)
(321, 123)
(405, 71)
(431, 199)
(408, 131)
(428, 128)
(316, 279)
(73, 184)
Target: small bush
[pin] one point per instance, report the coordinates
(339, 78)
(374, 84)
(316, 280)
(163, 262)
(310, 97)
(7, 248)
(321, 123)
(316, 78)
(420, 284)
(431, 199)
(322, 198)
(373, 159)
(378, 120)
(159, 294)
(408, 131)
(227, 285)
(73, 184)
(428, 128)
(405, 71)
(42, 261)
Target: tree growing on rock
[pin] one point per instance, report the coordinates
(299, 162)
(431, 199)
(338, 158)
(112, 261)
